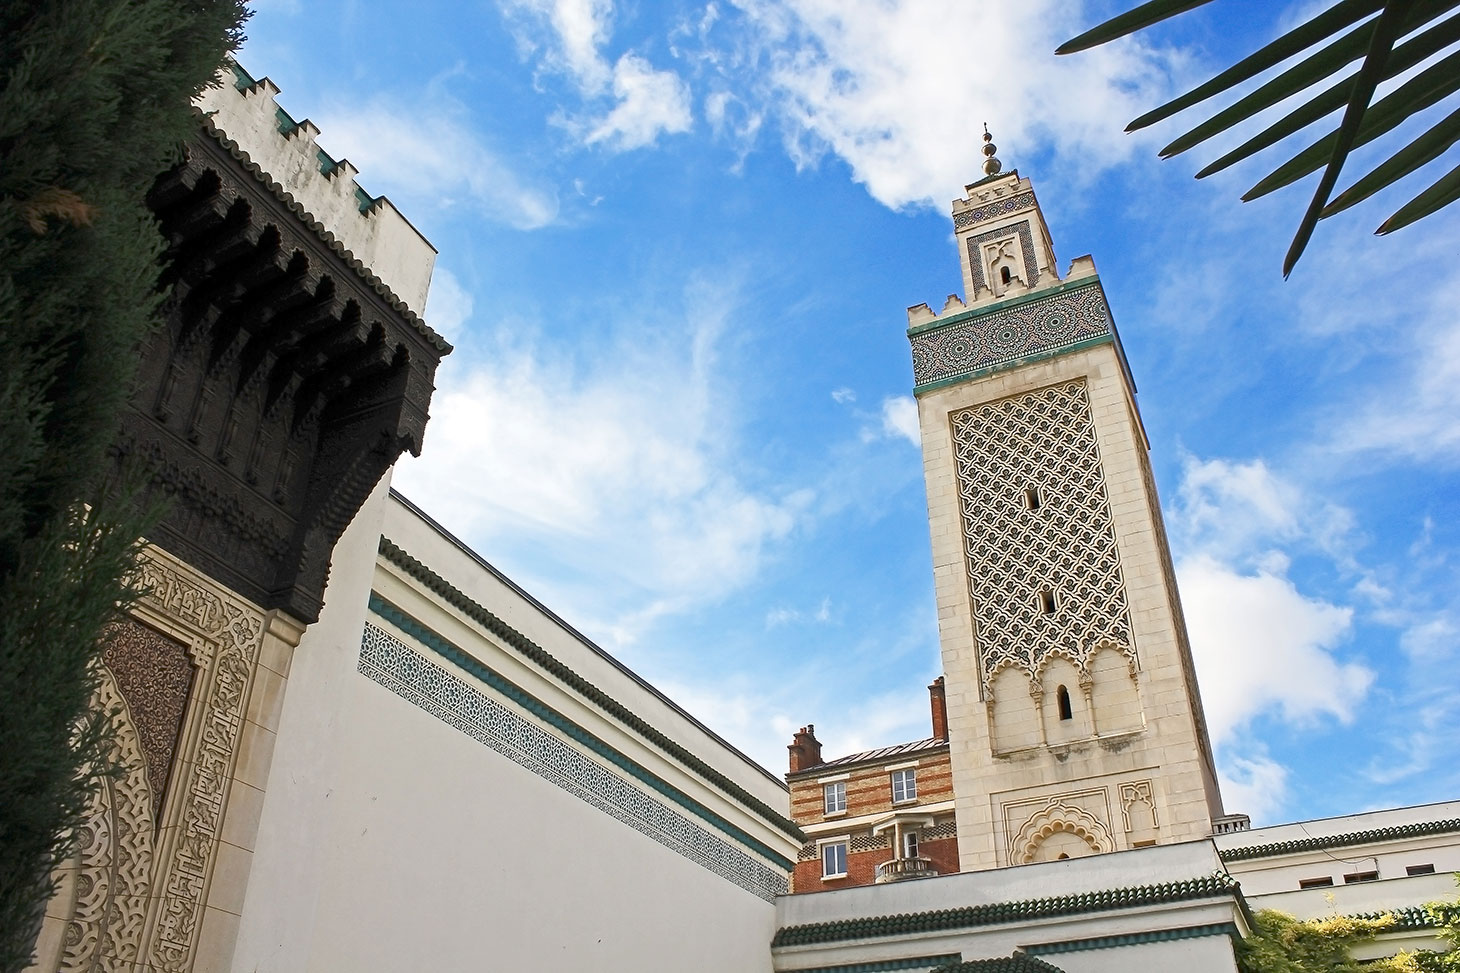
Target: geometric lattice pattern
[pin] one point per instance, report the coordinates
(1010, 334)
(1042, 440)
(391, 663)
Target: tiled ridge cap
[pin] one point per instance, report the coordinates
(548, 662)
(1408, 917)
(1004, 964)
(1207, 886)
(319, 229)
(1393, 833)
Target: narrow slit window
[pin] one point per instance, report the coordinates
(1032, 499)
(1355, 877)
(1004, 275)
(1315, 883)
(1046, 601)
(1419, 870)
(1062, 698)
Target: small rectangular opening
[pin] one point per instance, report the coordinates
(1315, 883)
(1032, 499)
(1046, 601)
(1354, 878)
(1419, 870)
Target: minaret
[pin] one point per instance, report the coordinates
(1073, 711)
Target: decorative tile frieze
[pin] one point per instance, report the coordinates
(1042, 582)
(490, 721)
(1009, 334)
(999, 207)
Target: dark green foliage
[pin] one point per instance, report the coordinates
(94, 102)
(1366, 32)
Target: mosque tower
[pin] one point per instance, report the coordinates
(1073, 712)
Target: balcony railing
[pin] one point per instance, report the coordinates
(902, 869)
(1228, 823)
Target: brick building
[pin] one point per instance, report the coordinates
(879, 816)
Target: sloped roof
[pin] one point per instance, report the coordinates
(1018, 963)
(873, 756)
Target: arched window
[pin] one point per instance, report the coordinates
(1004, 275)
(1062, 697)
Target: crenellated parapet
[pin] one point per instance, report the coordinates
(243, 113)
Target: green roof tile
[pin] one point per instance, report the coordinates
(1420, 829)
(907, 924)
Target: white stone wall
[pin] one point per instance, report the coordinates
(392, 839)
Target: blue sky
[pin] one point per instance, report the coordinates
(676, 245)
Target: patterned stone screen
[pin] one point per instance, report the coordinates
(1043, 571)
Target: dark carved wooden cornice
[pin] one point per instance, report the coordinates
(286, 381)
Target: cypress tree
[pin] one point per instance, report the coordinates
(94, 103)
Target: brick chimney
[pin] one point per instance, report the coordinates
(805, 749)
(940, 709)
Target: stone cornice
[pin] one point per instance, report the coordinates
(544, 660)
(1321, 842)
(1216, 885)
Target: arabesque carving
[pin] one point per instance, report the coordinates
(1060, 817)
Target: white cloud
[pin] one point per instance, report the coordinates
(899, 89)
(900, 418)
(1256, 786)
(843, 396)
(620, 457)
(1263, 647)
(650, 103)
(428, 152)
(448, 304)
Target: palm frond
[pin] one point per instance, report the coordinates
(1444, 192)
(1295, 41)
(1386, 31)
(1428, 147)
(1151, 12)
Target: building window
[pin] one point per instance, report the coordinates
(834, 859)
(836, 797)
(904, 786)
(1420, 870)
(1062, 698)
(1032, 499)
(910, 844)
(1047, 603)
(1315, 883)
(1355, 877)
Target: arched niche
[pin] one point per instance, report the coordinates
(1113, 691)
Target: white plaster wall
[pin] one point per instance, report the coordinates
(285, 884)
(391, 841)
(1208, 954)
(447, 558)
(1282, 873)
(442, 854)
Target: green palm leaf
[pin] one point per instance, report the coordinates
(1386, 31)
(1293, 42)
(1441, 194)
(1342, 34)
(1151, 12)
(1428, 147)
(1405, 56)
(1418, 93)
